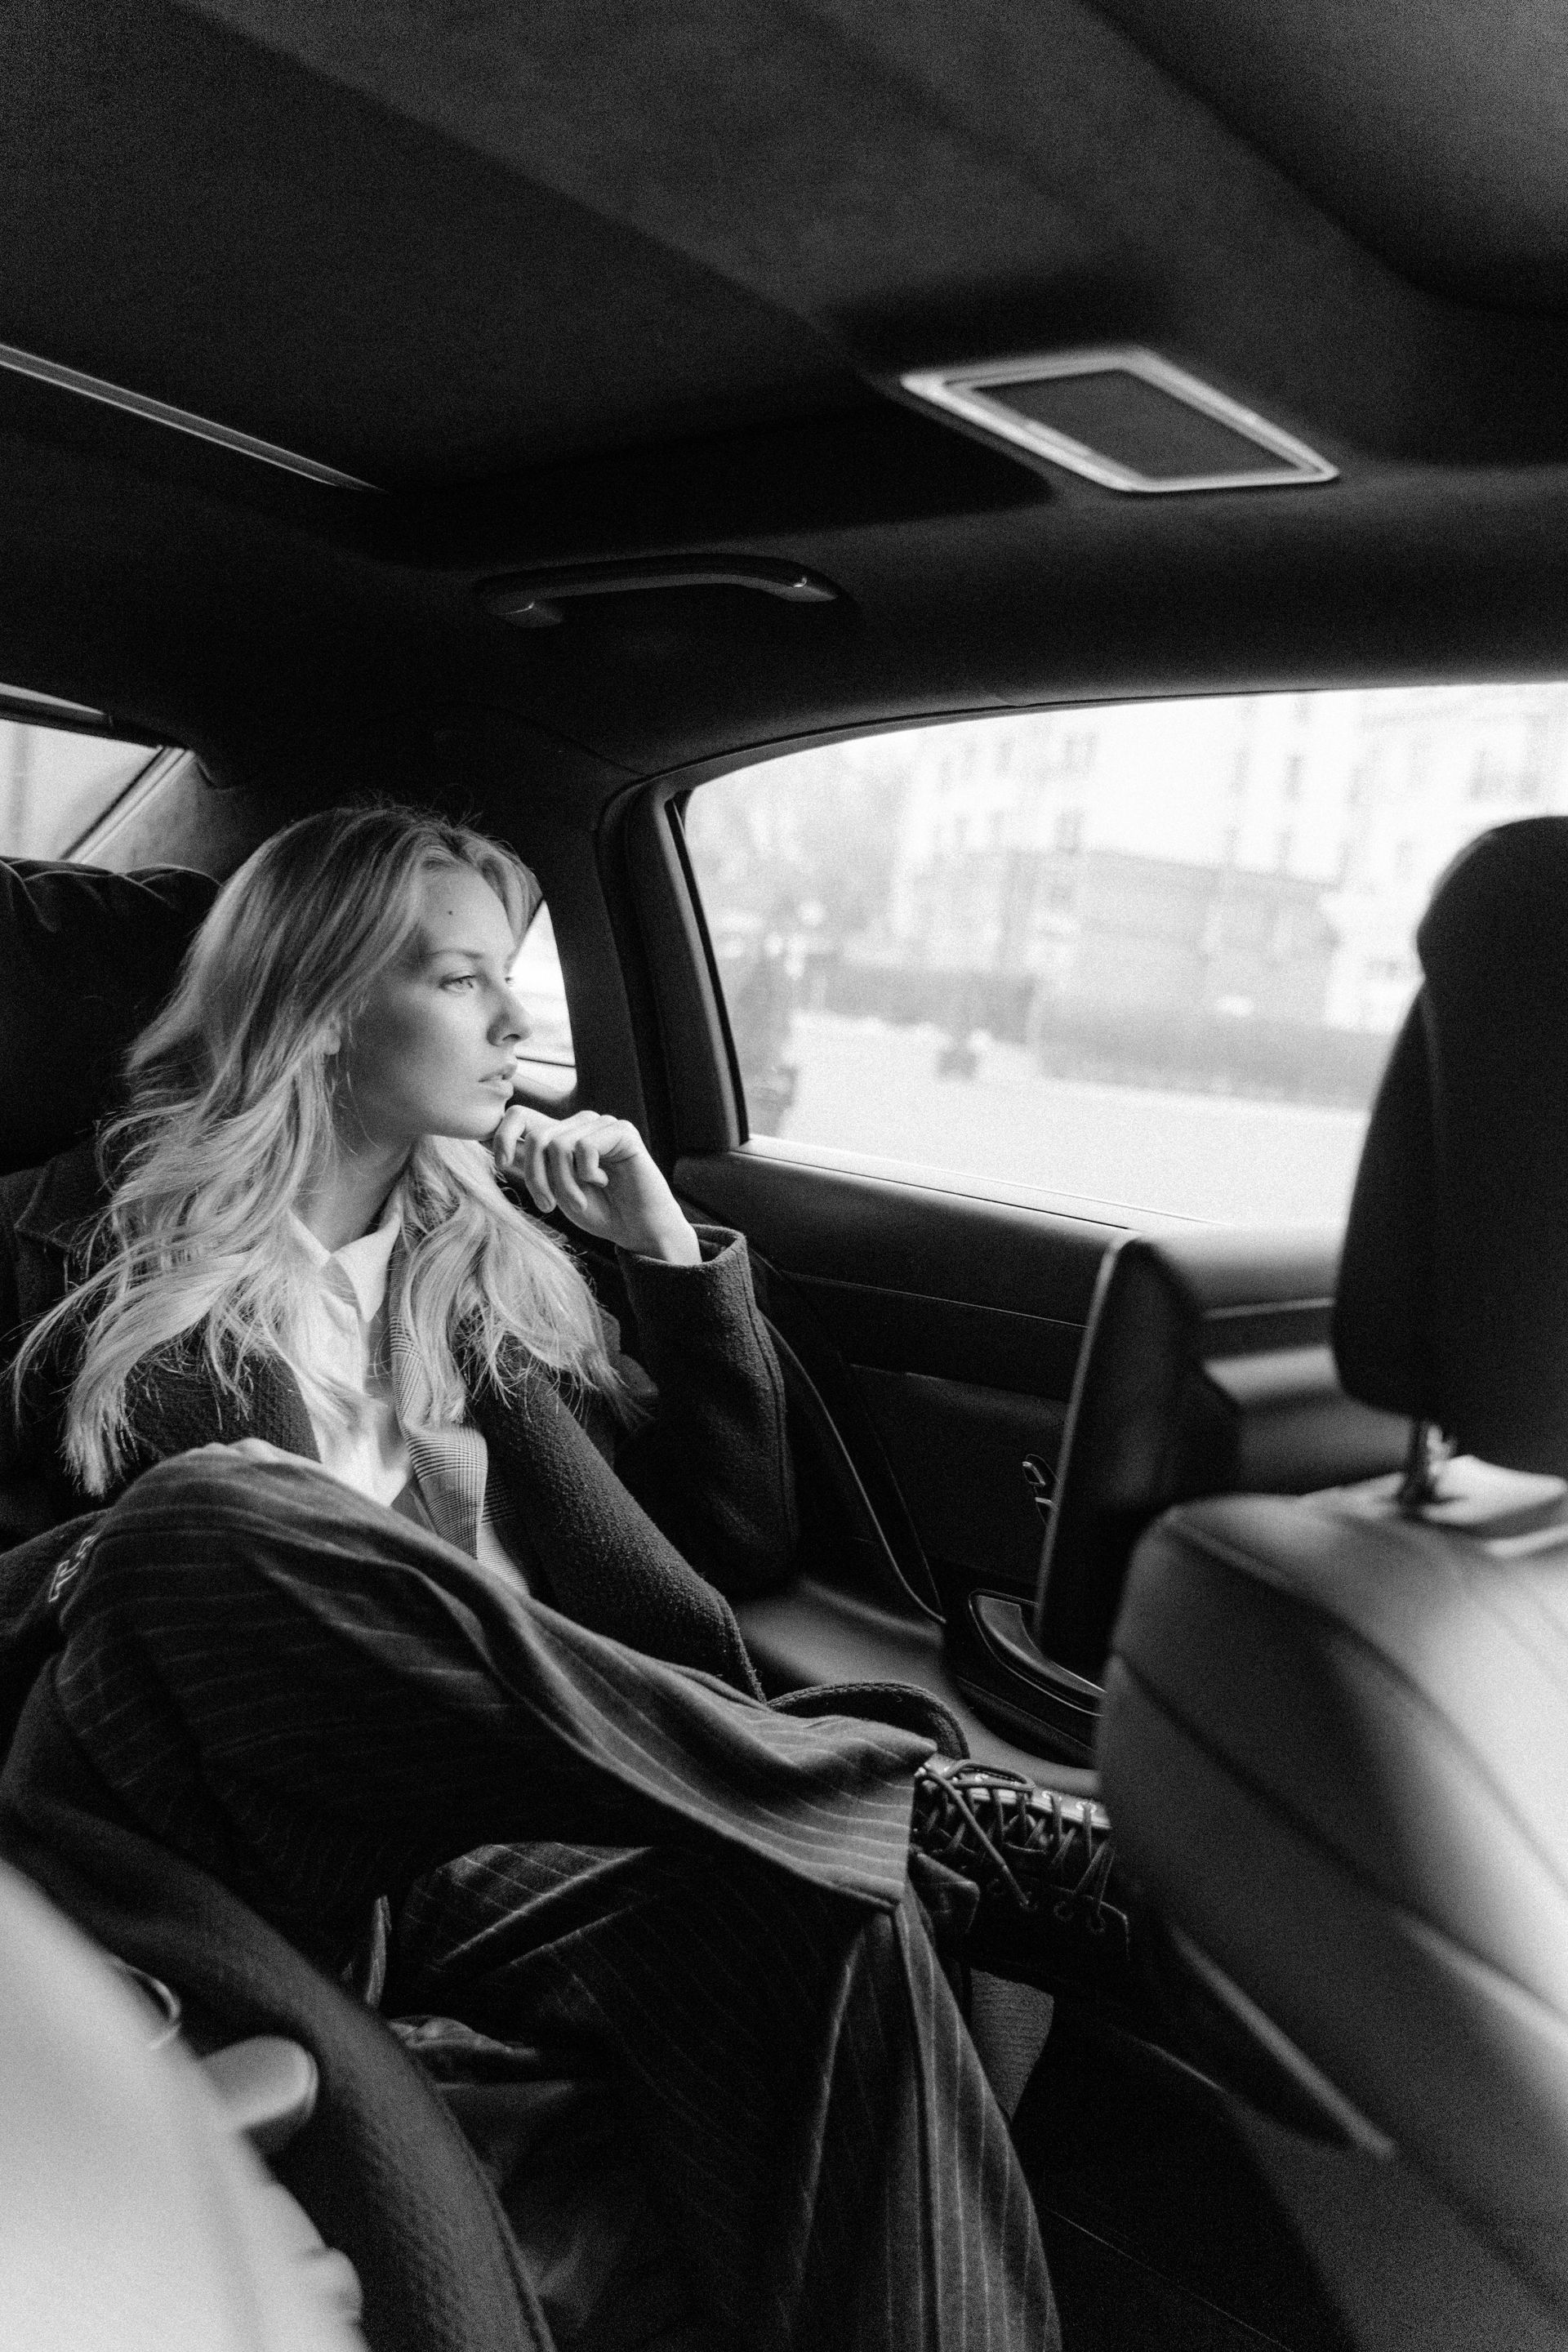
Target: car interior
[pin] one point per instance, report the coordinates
(568, 418)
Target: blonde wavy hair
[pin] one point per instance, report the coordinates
(233, 1107)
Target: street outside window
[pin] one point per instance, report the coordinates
(1150, 956)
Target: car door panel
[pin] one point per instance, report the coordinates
(975, 1342)
(825, 1222)
(941, 1395)
(955, 1447)
(935, 1397)
(932, 1400)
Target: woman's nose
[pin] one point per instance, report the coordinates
(513, 1025)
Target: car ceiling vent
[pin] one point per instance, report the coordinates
(1126, 419)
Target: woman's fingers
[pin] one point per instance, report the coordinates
(504, 1141)
(572, 1155)
(599, 1172)
(586, 1161)
(528, 1161)
(561, 1161)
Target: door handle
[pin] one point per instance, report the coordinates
(1041, 1481)
(1008, 1637)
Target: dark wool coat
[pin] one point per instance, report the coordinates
(639, 1534)
(380, 2169)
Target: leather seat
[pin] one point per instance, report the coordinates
(1335, 1735)
(86, 957)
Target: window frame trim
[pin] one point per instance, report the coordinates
(706, 1104)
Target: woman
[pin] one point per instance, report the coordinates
(337, 1054)
(377, 1610)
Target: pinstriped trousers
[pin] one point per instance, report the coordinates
(585, 1848)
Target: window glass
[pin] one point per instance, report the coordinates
(54, 785)
(547, 1066)
(1151, 955)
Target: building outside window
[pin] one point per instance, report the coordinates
(1139, 989)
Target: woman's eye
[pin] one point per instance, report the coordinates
(461, 979)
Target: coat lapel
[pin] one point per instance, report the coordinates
(609, 1566)
(449, 1463)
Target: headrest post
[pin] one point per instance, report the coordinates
(1424, 1459)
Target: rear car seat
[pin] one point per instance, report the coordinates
(85, 958)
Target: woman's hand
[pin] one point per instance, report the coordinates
(600, 1172)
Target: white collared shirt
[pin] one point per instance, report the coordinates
(346, 1340)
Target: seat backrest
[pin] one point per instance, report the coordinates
(86, 958)
(1204, 1369)
(1334, 1747)
(1334, 1740)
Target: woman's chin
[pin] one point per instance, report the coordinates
(468, 1126)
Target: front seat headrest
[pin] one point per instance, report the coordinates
(1452, 1304)
(86, 958)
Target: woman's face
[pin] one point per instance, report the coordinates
(433, 1049)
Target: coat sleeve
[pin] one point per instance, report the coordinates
(711, 1464)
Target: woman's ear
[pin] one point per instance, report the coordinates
(331, 1040)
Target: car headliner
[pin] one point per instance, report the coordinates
(590, 281)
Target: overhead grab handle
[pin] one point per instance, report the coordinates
(532, 600)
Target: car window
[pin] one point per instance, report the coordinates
(55, 784)
(547, 1066)
(1150, 955)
